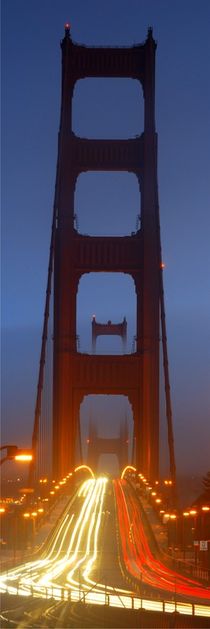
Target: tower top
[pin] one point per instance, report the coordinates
(150, 39)
(67, 29)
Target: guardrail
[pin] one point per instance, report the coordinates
(108, 598)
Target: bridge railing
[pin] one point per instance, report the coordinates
(108, 598)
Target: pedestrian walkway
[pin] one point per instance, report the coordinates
(52, 518)
(159, 529)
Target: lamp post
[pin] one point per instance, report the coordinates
(193, 513)
(16, 454)
(2, 512)
(185, 515)
(172, 521)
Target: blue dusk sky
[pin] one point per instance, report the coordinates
(107, 203)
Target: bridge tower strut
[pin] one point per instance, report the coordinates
(107, 329)
(135, 375)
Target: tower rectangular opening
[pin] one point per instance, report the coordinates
(107, 204)
(106, 425)
(97, 103)
(109, 297)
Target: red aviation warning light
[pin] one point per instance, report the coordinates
(162, 265)
(67, 28)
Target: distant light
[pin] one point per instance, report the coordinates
(26, 515)
(193, 512)
(2, 509)
(173, 516)
(186, 513)
(158, 500)
(34, 514)
(162, 265)
(93, 317)
(205, 508)
(40, 510)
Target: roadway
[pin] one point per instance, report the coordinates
(98, 542)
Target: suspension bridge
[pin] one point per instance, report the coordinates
(66, 375)
(106, 546)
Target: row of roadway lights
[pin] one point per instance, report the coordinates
(148, 487)
(153, 493)
(42, 481)
(51, 494)
(167, 516)
(158, 500)
(32, 514)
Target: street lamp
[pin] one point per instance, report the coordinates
(16, 454)
(173, 530)
(185, 515)
(193, 513)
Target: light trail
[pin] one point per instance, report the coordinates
(138, 558)
(64, 570)
(71, 555)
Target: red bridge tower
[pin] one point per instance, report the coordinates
(75, 374)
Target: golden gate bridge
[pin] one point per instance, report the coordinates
(106, 545)
(66, 375)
